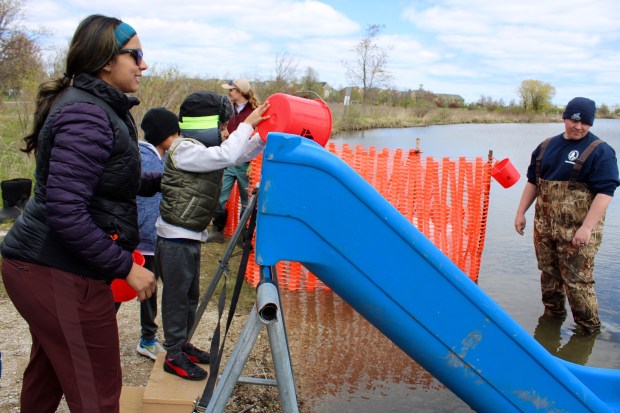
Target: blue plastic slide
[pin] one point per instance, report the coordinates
(314, 209)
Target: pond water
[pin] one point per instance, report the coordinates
(343, 364)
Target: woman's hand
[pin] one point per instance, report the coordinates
(143, 281)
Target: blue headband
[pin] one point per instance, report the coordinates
(123, 33)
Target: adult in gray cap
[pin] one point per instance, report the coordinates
(572, 177)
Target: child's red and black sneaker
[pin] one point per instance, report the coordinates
(195, 354)
(183, 367)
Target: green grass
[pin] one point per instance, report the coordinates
(13, 162)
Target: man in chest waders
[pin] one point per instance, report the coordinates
(572, 177)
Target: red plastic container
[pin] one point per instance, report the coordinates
(308, 118)
(505, 173)
(120, 289)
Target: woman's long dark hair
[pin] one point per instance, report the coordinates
(93, 45)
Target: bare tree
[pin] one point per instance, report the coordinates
(19, 54)
(535, 95)
(368, 69)
(285, 72)
(55, 65)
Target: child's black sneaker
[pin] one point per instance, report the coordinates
(194, 354)
(183, 367)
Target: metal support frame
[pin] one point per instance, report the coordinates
(271, 316)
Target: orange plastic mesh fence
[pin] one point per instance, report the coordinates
(447, 200)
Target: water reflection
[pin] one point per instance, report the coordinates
(577, 349)
(343, 363)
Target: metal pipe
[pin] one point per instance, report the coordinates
(267, 299)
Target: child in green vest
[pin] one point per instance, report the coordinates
(191, 186)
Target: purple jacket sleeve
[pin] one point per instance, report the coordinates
(83, 143)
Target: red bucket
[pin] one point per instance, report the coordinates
(309, 118)
(120, 289)
(505, 173)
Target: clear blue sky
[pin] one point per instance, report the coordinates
(472, 48)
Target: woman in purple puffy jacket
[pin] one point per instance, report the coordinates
(78, 231)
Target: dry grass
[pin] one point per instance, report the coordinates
(371, 117)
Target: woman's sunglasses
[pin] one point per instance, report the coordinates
(137, 54)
